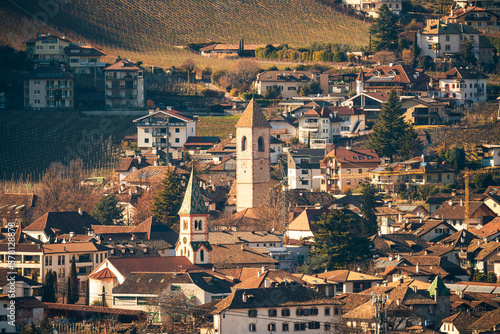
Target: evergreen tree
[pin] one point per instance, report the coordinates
(337, 239)
(106, 211)
(410, 145)
(69, 298)
(385, 30)
(455, 157)
(415, 51)
(467, 50)
(49, 291)
(87, 292)
(369, 225)
(391, 135)
(73, 293)
(168, 200)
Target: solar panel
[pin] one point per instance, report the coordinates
(456, 287)
(497, 290)
(479, 289)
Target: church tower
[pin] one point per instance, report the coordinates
(253, 169)
(360, 82)
(193, 230)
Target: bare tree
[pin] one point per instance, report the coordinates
(144, 206)
(384, 57)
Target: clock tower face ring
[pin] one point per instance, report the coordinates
(261, 161)
(243, 164)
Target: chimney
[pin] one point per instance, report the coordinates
(385, 283)
(461, 203)
(401, 280)
(80, 212)
(450, 203)
(258, 273)
(398, 302)
(417, 268)
(414, 288)
(71, 234)
(436, 294)
(389, 204)
(267, 283)
(399, 257)
(264, 269)
(139, 160)
(244, 297)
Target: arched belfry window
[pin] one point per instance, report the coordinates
(244, 143)
(260, 144)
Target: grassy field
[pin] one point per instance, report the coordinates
(149, 30)
(217, 126)
(32, 140)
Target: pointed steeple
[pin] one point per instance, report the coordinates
(361, 75)
(193, 199)
(437, 286)
(253, 117)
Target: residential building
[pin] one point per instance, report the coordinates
(463, 86)
(47, 49)
(349, 281)
(319, 127)
(49, 88)
(371, 7)
(490, 154)
(226, 148)
(276, 310)
(288, 83)
(164, 128)
(303, 226)
(276, 151)
(16, 207)
(487, 323)
(152, 175)
(454, 213)
(304, 168)
(283, 126)
(405, 80)
(130, 165)
(492, 199)
(341, 162)
(19, 285)
(439, 39)
(354, 120)
(425, 111)
(472, 16)
(25, 311)
(252, 157)
(124, 86)
(370, 102)
(83, 58)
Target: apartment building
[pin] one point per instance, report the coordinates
(124, 86)
(49, 88)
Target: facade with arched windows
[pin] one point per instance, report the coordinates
(193, 235)
(252, 157)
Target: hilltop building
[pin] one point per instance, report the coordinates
(49, 88)
(124, 86)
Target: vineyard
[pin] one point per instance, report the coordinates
(32, 140)
(149, 30)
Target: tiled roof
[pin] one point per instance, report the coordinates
(354, 156)
(348, 276)
(123, 65)
(461, 73)
(237, 237)
(346, 111)
(492, 228)
(227, 145)
(440, 27)
(45, 36)
(461, 321)
(488, 322)
(64, 222)
(193, 200)
(304, 222)
(456, 13)
(238, 256)
(487, 249)
(253, 117)
(275, 277)
(127, 163)
(399, 243)
(285, 76)
(153, 174)
(105, 273)
(49, 72)
(395, 73)
(161, 114)
(73, 247)
(431, 224)
(456, 210)
(82, 50)
(154, 264)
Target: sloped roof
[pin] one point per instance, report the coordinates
(492, 228)
(489, 321)
(275, 277)
(153, 174)
(437, 286)
(348, 276)
(440, 27)
(154, 264)
(253, 117)
(73, 247)
(237, 237)
(193, 200)
(64, 222)
(105, 273)
(123, 65)
(239, 255)
(395, 73)
(304, 221)
(461, 321)
(461, 73)
(457, 210)
(354, 155)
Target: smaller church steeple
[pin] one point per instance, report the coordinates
(193, 232)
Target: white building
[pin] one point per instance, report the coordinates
(124, 86)
(353, 120)
(276, 150)
(371, 7)
(304, 168)
(464, 86)
(288, 83)
(281, 309)
(160, 127)
(83, 58)
(318, 127)
(439, 39)
(46, 49)
(49, 88)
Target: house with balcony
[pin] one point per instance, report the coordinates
(124, 86)
(353, 120)
(83, 58)
(490, 154)
(164, 127)
(426, 111)
(46, 49)
(319, 127)
(472, 16)
(283, 126)
(463, 86)
(49, 88)
(441, 39)
(288, 83)
(370, 102)
(304, 168)
(371, 7)
(341, 163)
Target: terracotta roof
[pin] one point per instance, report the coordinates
(105, 273)
(461, 73)
(456, 210)
(253, 117)
(431, 224)
(156, 264)
(127, 163)
(346, 111)
(348, 276)
(123, 65)
(461, 321)
(441, 27)
(238, 237)
(275, 278)
(354, 156)
(227, 145)
(395, 73)
(64, 222)
(238, 256)
(73, 247)
(487, 249)
(304, 221)
(490, 229)
(350, 301)
(488, 322)
(232, 47)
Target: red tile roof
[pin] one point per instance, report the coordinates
(105, 273)
(354, 156)
(154, 264)
(123, 65)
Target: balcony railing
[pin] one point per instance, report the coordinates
(159, 124)
(159, 145)
(160, 134)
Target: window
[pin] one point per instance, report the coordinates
(176, 140)
(328, 326)
(284, 327)
(260, 144)
(244, 143)
(313, 311)
(272, 313)
(271, 327)
(3, 317)
(304, 182)
(447, 47)
(37, 92)
(327, 311)
(304, 172)
(252, 313)
(177, 130)
(146, 140)
(285, 312)
(202, 255)
(299, 326)
(314, 325)
(336, 311)
(146, 130)
(252, 327)
(447, 38)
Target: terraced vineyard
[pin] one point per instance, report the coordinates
(150, 29)
(32, 140)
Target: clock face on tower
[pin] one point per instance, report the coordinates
(243, 164)
(261, 162)
(185, 240)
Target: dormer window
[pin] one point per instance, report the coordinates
(376, 73)
(391, 74)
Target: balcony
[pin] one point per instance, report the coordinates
(158, 123)
(92, 64)
(121, 97)
(159, 145)
(160, 134)
(311, 125)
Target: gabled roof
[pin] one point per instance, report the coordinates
(123, 65)
(239, 237)
(82, 50)
(253, 117)
(456, 13)
(239, 255)
(153, 264)
(62, 222)
(437, 286)
(285, 76)
(457, 210)
(201, 141)
(105, 273)
(395, 73)
(439, 27)
(275, 277)
(127, 163)
(42, 37)
(461, 321)
(227, 145)
(193, 203)
(348, 276)
(490, 229)
(356, 156)
(304, 222)
(488, 322)
(167, 114)
(346, 111)
(461, 73)
(49, 72)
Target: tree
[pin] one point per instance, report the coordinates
(483, 181)
(87, 292)
(384, 57)
(143, 209)
(468, 50)
(368, 225)
(73, 293)
(410, 145)
(168, 200)
(455, 157)
(338, 240)
(312, 87)
(107, 212)
(385, 30)
(49, 289)
(436, 47)
(58, 97)
(390, 133)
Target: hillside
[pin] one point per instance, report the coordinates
(148, 30)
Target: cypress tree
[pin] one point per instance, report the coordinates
(168, 200)
(49, 292)
(385, 30)
(69, 298)
(106, 211)
(87, 292)
(73, 293)
(369, 225)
